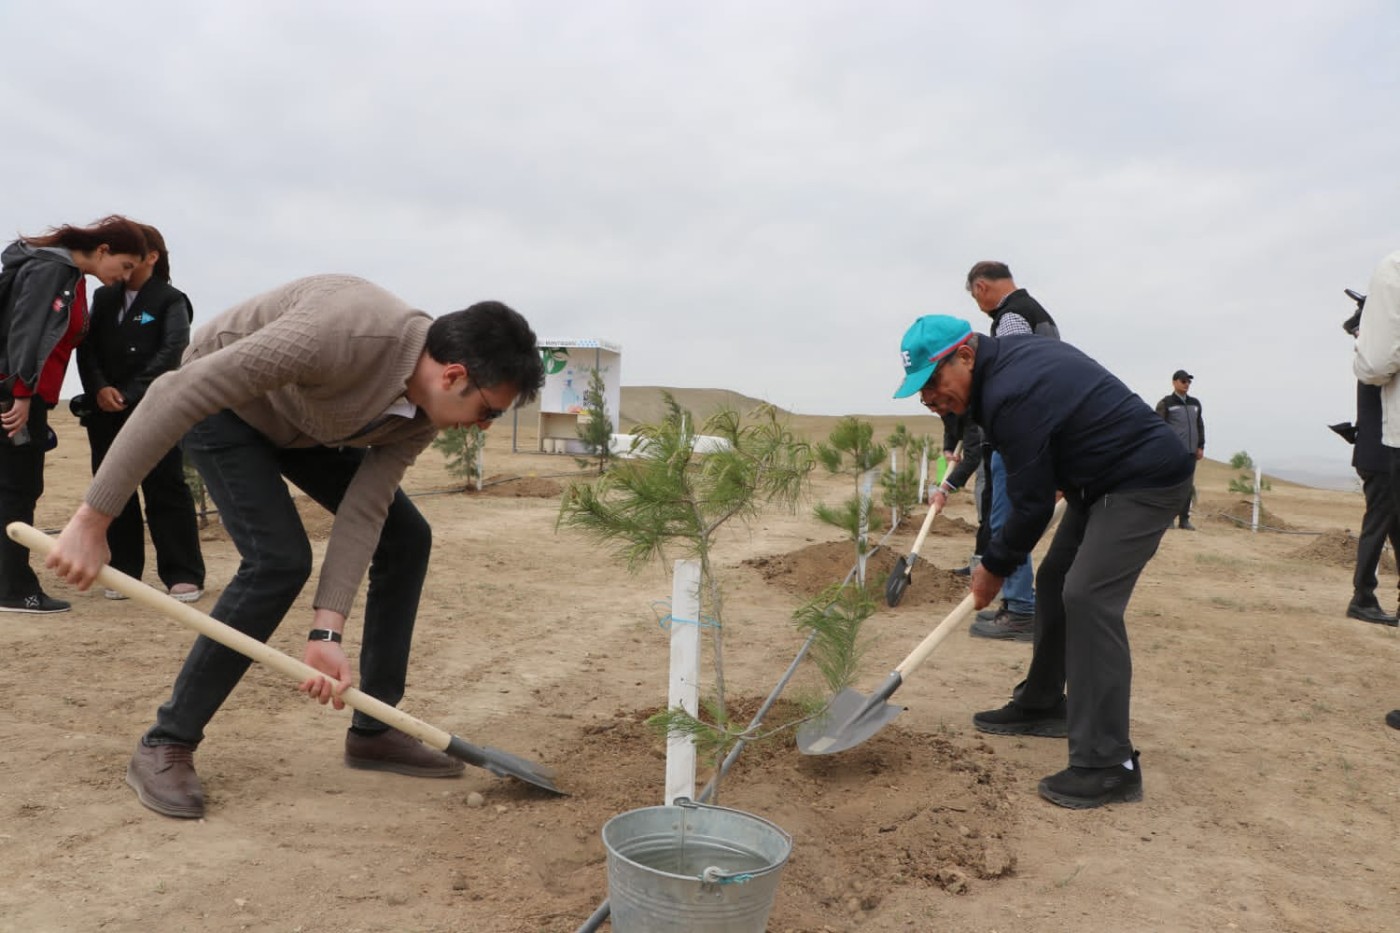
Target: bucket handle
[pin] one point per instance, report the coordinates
(713, 876)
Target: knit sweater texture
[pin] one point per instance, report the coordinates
(310, 363)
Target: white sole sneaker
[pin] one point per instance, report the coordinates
(189, 597)
(113, 594)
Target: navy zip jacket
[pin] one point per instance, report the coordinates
(1063, 422)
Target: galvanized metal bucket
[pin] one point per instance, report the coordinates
(691, 868)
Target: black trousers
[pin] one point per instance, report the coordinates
(1379, 524)
(21, 485)
(1081, 641)
(169, 512)
(984, 503)
(1185, 515)
(243, 473)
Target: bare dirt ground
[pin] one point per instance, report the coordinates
(1272, 798)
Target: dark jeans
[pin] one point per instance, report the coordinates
(21, 485)
(243, 473)
(1378, 524)
(169, 512)
(1081, 641)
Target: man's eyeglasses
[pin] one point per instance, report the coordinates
(488, 413)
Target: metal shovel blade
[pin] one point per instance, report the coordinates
(503, 764)
(851, 718)
(898, 581)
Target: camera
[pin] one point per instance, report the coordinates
(1352, 324)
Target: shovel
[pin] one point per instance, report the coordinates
(903, 571)
(499, 763)
(853, 717)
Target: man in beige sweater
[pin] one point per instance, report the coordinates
(336, 385)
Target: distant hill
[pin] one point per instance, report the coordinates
(644, 405)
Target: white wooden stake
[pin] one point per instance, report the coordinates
(923, 473)
(867, 483)
(1254, 522)
(685, 676)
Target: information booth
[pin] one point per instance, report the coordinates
(568, 364)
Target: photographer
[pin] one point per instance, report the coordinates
(1377, 363)
(1371, 460)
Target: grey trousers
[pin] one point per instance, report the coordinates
(1081, 641)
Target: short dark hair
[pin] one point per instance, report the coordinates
(988, 269)
(496, 345)
(119, 234)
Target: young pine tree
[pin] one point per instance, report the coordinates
(462, 448)
(596, 430)
(670, 502)
(851, 449)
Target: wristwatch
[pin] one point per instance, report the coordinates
(323, 634)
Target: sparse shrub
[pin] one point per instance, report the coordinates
(462, 449)
(1244, 483)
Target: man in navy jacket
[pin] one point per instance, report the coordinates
(1063, 424)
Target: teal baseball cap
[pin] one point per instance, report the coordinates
(928, 340)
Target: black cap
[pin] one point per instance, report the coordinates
(1182, 374)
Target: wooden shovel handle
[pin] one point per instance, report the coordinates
(230, 637)
(919, 539)
(956, 617)
(928, 523)
(932, 640)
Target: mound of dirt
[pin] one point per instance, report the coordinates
(944, 817)
(530, 487)
(813, 568)
(1337, 548)
(1240, 514)
(944, 526)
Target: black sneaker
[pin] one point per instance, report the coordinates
(39, 602)
(1006, 625)
(1086, 788)
(1014, 720)
(1367, 613)
(1185, 525)
(963, 571)
(1392, 719)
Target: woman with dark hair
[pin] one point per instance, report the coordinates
(137, 333)
(43, 316)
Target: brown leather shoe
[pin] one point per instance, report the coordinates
(400, 753)
(164, 780)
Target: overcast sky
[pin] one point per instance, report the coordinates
(758, 196)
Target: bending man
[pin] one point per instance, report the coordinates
(1062, 422)
(336, 385)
